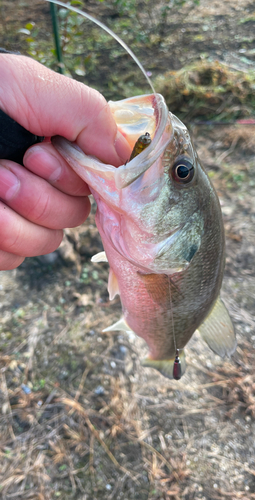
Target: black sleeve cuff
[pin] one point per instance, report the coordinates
(14, 139)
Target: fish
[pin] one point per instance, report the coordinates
(161, 226)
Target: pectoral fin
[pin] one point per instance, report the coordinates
(113, 286)
(182, 245)
(165, 366)
(217, 330)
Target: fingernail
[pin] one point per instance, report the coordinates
(122, 147)
(9, 184)
(44, 163)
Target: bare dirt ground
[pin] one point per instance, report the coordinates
(79, 417)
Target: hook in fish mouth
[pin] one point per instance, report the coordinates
(141, 144)
(133, 117)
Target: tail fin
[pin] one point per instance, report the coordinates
(165, 366)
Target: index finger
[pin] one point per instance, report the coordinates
(47, 104)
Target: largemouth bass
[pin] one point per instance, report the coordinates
(161, 226)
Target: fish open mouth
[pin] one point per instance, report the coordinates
(133, 116)
(136, 116)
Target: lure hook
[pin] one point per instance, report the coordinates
(177, 369)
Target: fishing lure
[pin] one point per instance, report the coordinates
(141, 144)
(177, 369)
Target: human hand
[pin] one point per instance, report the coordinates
(38, 201)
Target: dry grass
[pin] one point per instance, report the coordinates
(55, 444)
(210, 89)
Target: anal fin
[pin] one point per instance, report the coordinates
(217, 330)
(99, 257)
(120, 325)
(166, 366)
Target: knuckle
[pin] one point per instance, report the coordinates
(41, 209)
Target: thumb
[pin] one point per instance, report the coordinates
(47, 103)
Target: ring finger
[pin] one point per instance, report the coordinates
(17, 232)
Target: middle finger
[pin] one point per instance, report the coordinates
(38, 201)
(44, 161)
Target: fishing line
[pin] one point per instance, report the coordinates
(110, 32)
(171, 311)
(177, 369)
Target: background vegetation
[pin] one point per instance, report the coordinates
(206, 87)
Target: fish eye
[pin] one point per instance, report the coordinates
(183, 171)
